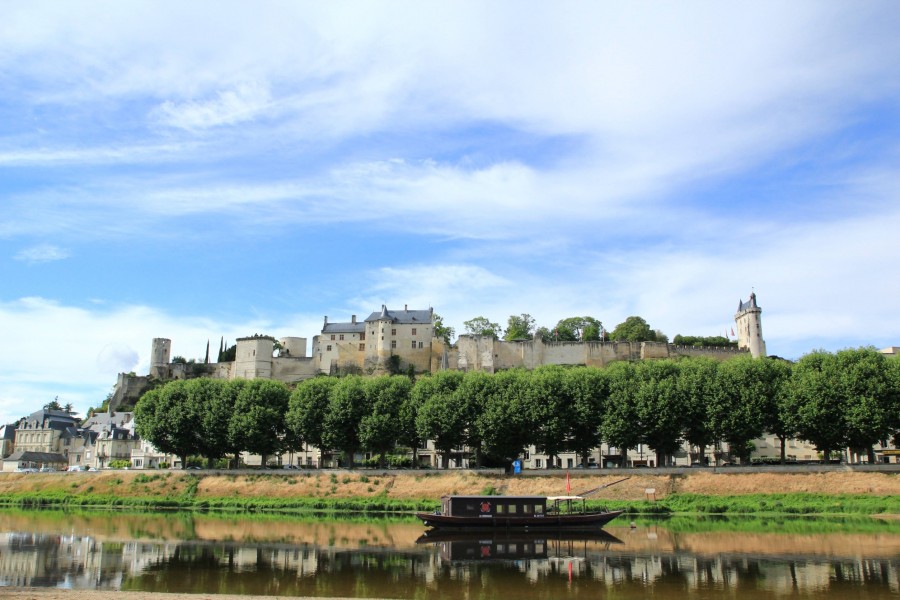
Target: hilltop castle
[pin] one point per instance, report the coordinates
(392, 341)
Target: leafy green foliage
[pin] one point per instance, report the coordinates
(442, 416)
(258, 421)
(307, 408)
(441, 331)
(718, 341)
(378, 431)
(635, 329)
(482, 326)
(659, 407)
(519, 327)
(588, 389)
(348, 404)
(577, 329)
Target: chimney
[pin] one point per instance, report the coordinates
(405, 307)
(353, 319)
(326, 319)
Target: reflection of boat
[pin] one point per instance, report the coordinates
(513, 545)
(448, 535)
(478, 513)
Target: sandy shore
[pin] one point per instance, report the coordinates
(57, 594)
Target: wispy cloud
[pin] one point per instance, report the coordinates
(42, 253)
(229, 107)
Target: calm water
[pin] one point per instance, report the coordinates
(390, 559)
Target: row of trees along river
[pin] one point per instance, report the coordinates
(834, 400)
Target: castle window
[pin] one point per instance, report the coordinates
(328, 348)
(414, 331)
(393, 343)
(342, 337)
(414, 344)
(362, 336)
(393, 332)
(332, 337)
(421, 345)
(362, 347)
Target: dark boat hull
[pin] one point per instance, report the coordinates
(575, 521)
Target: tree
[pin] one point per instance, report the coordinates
(167, 418)
(474, 391)
(577, 329)
(549, 407)
(348, 404)
(633, 329)
(773, 377)
(442, 414)
(53, 404)
(441, 331)
(215, 408)
(307, 408)
(699, 388)
(588, 389)
(505, 425)
(407, 432)
(871, 396)
(443, 420)
(621, 427)
(659, 408)
(482, 326)
(378, 430)
(519, 327)
(817, 402)
(258, 422)
(738, 410)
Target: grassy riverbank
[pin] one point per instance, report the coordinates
(398, 492)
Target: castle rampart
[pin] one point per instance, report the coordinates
(484, 353)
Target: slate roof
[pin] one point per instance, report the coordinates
(101, 420)
(57, 419)
(8, 432)
(403, 317)
(751, 303)
(358, 327)
(41, 457)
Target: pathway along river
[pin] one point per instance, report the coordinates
(375, 558)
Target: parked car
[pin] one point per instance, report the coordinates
(26, 470)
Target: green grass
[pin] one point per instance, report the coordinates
(675, 504)
(188, 501)
(767, 504)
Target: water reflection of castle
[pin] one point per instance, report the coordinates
(82, 562)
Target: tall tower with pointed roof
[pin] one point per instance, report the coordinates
(749, 327)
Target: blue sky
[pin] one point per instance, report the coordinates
(207, 169)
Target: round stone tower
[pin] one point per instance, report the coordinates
(160, 357)
(749, 325)
(294, 347)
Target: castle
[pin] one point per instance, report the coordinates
(392, 341)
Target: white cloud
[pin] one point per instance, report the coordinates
(243, 103)
(75, 352)
(42, 253)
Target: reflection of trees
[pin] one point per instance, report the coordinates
(427, 571)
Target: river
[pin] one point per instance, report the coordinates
(379, 558)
